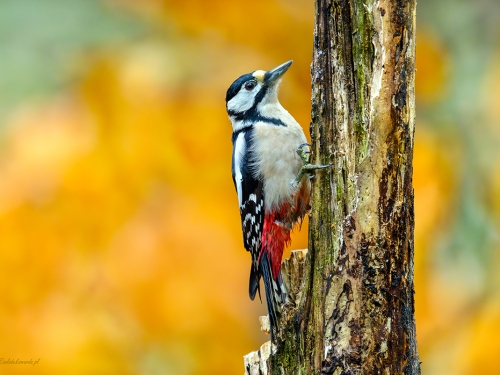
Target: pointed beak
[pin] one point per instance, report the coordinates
(275, 74)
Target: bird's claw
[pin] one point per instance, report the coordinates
(302, 145)
(303, 154)
(307, 168)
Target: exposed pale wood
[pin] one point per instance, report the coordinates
(256, 363)
(292, 270)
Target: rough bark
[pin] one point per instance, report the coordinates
(355, 314)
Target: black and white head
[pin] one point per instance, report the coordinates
(248, 96)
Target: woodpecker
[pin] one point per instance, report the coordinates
(270, 168)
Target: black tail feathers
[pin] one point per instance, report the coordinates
(275, 291)
(254, 284)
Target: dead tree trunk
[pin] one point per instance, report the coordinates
(355, 312)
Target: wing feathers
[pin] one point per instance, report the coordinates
(251, 199)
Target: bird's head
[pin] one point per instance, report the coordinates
(251, 92)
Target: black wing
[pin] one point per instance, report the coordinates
(251, 198)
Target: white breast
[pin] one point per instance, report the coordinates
(275, 150)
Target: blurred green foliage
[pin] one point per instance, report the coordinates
(43, 43)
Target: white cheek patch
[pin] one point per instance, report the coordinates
(242, 101)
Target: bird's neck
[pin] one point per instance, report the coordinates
(270, 114)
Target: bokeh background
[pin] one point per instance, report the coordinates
(120, 244)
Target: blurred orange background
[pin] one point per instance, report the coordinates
(120, 245)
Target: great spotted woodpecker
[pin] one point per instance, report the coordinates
(269, 165)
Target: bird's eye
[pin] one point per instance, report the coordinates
(250, 85)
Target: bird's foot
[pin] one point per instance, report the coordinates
(307, 168)
(304, 155)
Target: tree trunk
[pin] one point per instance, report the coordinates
(355, 312)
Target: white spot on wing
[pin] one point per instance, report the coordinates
(239, 151)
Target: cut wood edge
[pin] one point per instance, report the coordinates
(256, 362)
